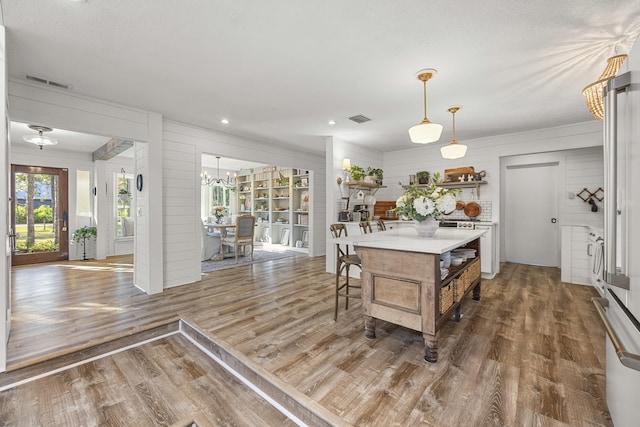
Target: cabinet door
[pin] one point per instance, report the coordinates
(486, 251)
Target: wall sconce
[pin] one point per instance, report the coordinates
(346, 166)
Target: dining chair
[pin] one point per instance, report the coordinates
(344, 262)
(210, 244)
(244, 236)
(381, 226)
(365, 227)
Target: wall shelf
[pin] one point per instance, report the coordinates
(466, 184)
(361, 185)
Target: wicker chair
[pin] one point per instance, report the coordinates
(245, 227)
(344, 262)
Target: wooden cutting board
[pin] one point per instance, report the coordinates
(452, 175)
(472, 209)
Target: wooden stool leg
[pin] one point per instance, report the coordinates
(346, 291)
(335, 315)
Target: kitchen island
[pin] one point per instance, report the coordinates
(402, 284)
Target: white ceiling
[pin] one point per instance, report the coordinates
(280, 70)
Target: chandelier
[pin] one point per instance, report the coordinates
(453, 150)
(593, 92)
(39, 139)
(205, 179)
(426, 131)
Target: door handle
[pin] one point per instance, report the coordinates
(553, 220)
(629, 360)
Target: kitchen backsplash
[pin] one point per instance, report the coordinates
(485, 214)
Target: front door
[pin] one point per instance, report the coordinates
(39, 214)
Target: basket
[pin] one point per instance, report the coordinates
(446, 297)
(458, 289)
(470, 275)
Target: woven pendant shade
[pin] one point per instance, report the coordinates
(593, 92)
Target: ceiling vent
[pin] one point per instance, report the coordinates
(360, 119)
(48, 82)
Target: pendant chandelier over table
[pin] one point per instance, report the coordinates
(206, 180)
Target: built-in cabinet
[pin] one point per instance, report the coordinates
(280, 200)
(574, 262)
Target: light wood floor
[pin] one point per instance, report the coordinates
(530, 352)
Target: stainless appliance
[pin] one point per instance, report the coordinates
(622, 242)
(364, 211)
(595, 252)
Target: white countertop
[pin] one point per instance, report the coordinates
(406, 239)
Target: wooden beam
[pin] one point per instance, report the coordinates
(111, 148)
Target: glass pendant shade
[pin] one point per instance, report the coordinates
(453, 151)
(39, 139)
(425, 133)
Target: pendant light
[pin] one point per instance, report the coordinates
(425, 132)
(593, 92)
(205, 179)
(453, 150)
(39, 139)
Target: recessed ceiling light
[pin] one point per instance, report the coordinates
(224, 121)
(332, 122)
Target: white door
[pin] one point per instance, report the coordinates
(5, 222)
(531, 212)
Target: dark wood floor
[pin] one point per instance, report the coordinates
(530, 352)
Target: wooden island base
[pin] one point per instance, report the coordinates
(405, 288)
(430, 341)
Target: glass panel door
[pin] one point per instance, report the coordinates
(40, 219)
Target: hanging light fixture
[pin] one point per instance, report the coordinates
(593, 92)
(453, 150)
(426, 131)
(205, 179)
(39, 139)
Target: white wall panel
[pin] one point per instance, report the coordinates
(33, 103)
(183, 147)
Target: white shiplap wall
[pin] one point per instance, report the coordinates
(584, 169)
(183, 146)
(336, 151)
(181, 207)
(485, 154)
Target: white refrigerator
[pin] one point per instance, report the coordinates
(620, 308)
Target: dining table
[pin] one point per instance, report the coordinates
(224, 232)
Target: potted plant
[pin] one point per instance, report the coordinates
(377, 173)
(357, 173)
(242, 198)
(123, 194)
(423, 177)
(81, 235)
(284, 180)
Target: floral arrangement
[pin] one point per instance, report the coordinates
(219, 211)
(421, 203)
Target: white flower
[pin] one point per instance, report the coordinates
(447, 203)
(424, 206)
(401, 202)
